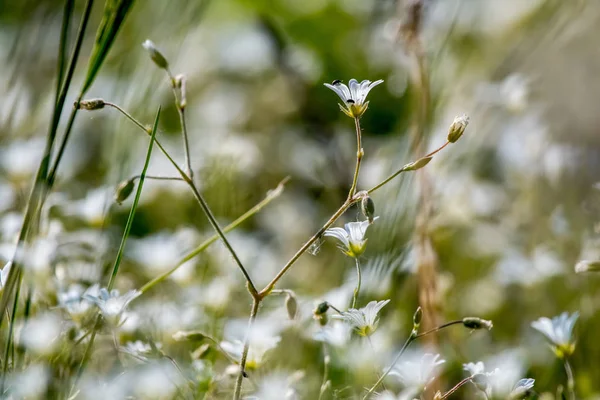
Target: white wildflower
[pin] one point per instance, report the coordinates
(364, 320)
(351, 237)
(559, 332)
(353, 96)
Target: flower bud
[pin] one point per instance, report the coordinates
(291, 304)
(477, 323)
(587, 266)
(368, 208)
(417, 317)
(420, 163)
(156, 55)
(90, 105)
(458, 128)
(124, 190)
(321, 308)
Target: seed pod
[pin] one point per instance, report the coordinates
(420, 163)
(457, 128)
(155, 55)
(477, 323)
(321, 308)
(90, 105)
(367, 206)
(417, 317)
(291, 305)
(124, 190)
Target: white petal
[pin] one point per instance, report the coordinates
(338, 233)
(340, 89)
(354, 86)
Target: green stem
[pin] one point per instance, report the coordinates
(238, 383)
(359, 156)
(414, 335)
(570, 379)
(201, 201)
(136, 200)
(271, 195)
(9, 341)
(326, 360)
(358, 281)
(456, 387)
(180, 104)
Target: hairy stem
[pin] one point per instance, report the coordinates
(199, 198)
(570, 379)
(359, 155)
(358, 281)
(456, 387)
(240, 378)
(271, 195)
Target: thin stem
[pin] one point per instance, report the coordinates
(9, 341)
(405, 168)
(414, 335)
(456, 387)
(570, 379)
(138, 194)
(387, 371)
(180, 104)
(238, 383)
(306, 246)
(159, 178)
(439, 328)
(271, 195)
(325, 381)
(199, 198)
(359, 156)
(358, 281)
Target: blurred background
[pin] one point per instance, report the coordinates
(515, 201)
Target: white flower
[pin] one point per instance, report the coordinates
(480, 376)
(417, 375)
(354, 96)
(559, 331)
(364, 320)
(351, 237)
(112, 305)
(258, 348)
(4, 273)
(76, 302)
(522, 389)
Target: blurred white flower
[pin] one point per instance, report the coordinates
(335, 334)
(112, 305)
(20, 158)
(75, 301)
(351, 237)
(353, 96)
(41, 334)
(263, 337)
(31, 383)
(416, 375)
(139, 349)
(4, 274)
(364, 320)
(276, 387)
(92, 208)
(161, 251)
(480, 376)
(559, 332)
(158, 381)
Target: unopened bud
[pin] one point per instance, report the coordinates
(417, 317)
(192, 336)
(155, 55)
(291, 304)
(90, 105)
(367, 206)
(477, 323)
(587, 266)
(124, 190)
(321, 308)
(420, 163)
(458, 128)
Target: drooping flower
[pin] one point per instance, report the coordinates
(559, 332)
(353, 95)
(365, 320)
(112, 305)
(417, 375)
(352, 237)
